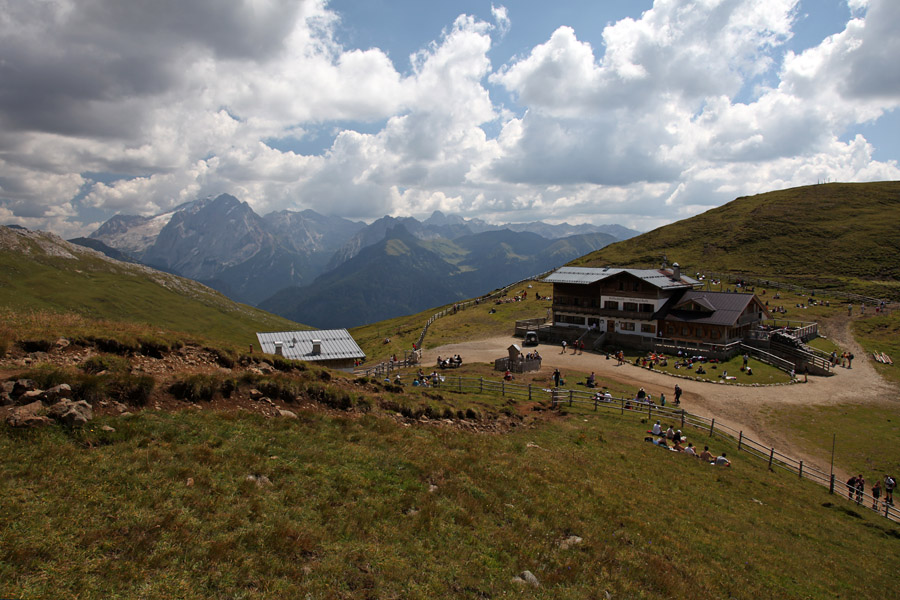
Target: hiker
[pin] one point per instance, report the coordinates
(556, 377)
(563, 347)
(677, 395)
(851, 487)
(889, 485)
(876, 494)
(860, 488)
(662, 399)
(850, 358)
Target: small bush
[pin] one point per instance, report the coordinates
(224, 358)
(196, 388)
(105, 362)
(130, 389)
(284, 388)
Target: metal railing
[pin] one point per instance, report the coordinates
(628, 407)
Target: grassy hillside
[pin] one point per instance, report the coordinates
(44, 275)
(361, 506)
(836, 234)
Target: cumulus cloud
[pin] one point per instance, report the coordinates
(137, 107)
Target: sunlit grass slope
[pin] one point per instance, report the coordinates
(363, 507)
(836, 234)
(43, 275)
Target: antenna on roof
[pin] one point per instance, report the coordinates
(665, 261)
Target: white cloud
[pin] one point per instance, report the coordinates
(684, 107)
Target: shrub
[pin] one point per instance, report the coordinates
(284, 388)
(130, 389)
(196, 388)
(224, 358)
(105, 362)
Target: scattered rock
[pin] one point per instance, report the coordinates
(58, 392)
(120, 407)
(62, 343)
(126, 414)
(288, 414)
(255, 394)
(28, 415)
(190, 482)
(572, 540)
(21, 386)
(30, 396)
(7, 387)
(526, 578)
(108, 429)
(411, 511)
(432, 488)
(71, 412)
(259, 480)
(5, 399)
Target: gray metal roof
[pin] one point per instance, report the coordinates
(587, 275)
(298, 345)
(727, 308)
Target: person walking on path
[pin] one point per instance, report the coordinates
(860, 488)
(677, 395)
(563, 347)
(889, 484)
(876, 494)
(556, 376)
(851, 487)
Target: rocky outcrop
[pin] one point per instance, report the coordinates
(29, 415)
(71, 412)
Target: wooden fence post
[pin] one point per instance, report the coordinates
(682, 419)
(740, 439)
(800, 472)
(571, 393)
(502, 388)
(771, 457)
(481, 385)
(459, 383)
(649, 410)
(831, 485)
(622, 400)
(529, 392)
(712, 427)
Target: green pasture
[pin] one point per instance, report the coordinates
(360, 506)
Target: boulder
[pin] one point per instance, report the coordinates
(58, 392)
(71, 412)
(526, 578)
(7, 387)
(21, 386)
(30, 396)
(570, 541)
(5, 399)
(28, 415)
(287, 414)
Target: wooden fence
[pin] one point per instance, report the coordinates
(630, 408)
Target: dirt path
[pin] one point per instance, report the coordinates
(738, 407)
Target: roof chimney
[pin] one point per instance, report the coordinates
(279, 350)
(317, 346)
(676, 272)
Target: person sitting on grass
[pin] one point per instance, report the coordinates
(657, 429)
(670, 433)
(706, 455)
(590, 380)
(721, 461)
(690, 450)
(677, 445)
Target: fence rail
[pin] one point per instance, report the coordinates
(639, 409)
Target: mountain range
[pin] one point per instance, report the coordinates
(298, 263)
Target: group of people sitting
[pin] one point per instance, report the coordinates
(651, 360)
(449, 362)
(533, 356)
(672, 439)
(423, 380)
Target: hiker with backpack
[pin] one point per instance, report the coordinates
(889, 484)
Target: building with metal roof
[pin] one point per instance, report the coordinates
(643, 308)
(333, 348)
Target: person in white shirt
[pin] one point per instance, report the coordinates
(690, 450)
(657, 429)
(721, 461)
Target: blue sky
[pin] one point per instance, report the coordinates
(639, 112)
